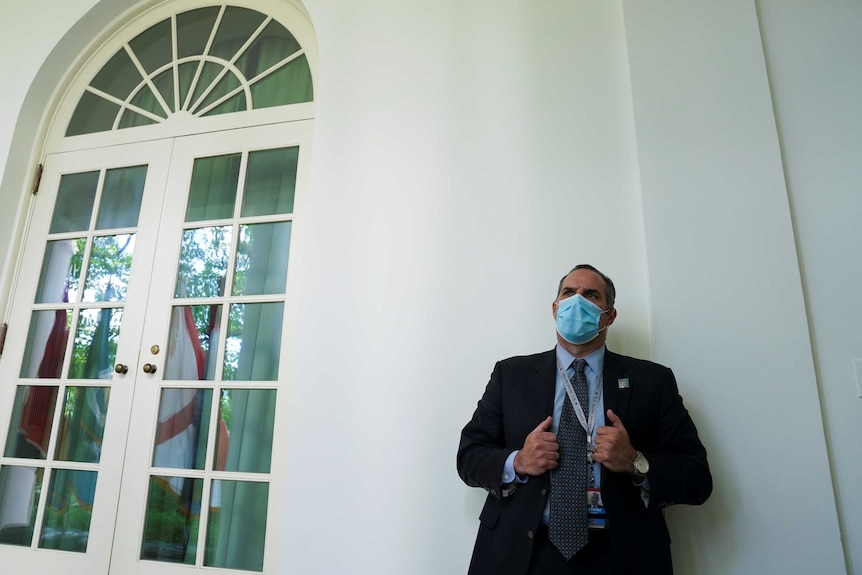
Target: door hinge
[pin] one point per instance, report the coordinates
(38, 179)
(3, 329)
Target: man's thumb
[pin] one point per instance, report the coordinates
(615, 421)
(545, 425)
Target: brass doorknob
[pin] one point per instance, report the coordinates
(149, 368)
(121, 368)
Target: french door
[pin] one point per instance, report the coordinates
(142, 384)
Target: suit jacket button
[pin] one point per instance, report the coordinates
(544, 492)
(530, 534)
(493, 492)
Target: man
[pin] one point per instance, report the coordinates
(543, 475)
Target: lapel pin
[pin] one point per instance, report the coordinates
(623, 383)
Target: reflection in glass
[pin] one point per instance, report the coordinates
(193, 342)
(118, 77)
(31, 422)
(108, 270)
(270, 182)
(66, 525)
(46, 343)
(82, 424)
(236, 530)
(261, 259)
(290, 84)
(181, 433)
(172, 519)
(74, 202)
(213, 188)
(121, 197)
(96, 343)
(61, 271)
(92, 114)
(193, 30)
(253, 342)
(20, 488)
(203, 262)
(245, 425)
(237, 25)
(152, 47)
(270, 47)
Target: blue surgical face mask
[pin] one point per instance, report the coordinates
(578, 319)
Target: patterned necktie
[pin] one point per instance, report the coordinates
(568, 520)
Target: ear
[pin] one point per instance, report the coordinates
(554, 306)
(612, 315)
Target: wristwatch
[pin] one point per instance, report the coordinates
(640, 467)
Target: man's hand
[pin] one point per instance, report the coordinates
(613, 448)
(540, 452)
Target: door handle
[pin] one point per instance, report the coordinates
(149, 368)
(122, 369)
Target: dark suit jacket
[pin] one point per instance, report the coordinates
(519, 396)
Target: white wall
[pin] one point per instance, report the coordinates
(456, 145)
(727, 301)
(466, 156)
(813, 53)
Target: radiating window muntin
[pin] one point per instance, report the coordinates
(203, 62)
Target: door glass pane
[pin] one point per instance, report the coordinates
(121, 197)
(261, 259)
(68, 511)
(74, 202)
(193, 342)
(31, 421)
(244, 435)
(213, 188)
(82, 424)
(203, 262)
(46, 343)
(181, 433)
(236, 528)
(61, 271)
(108, 271)
(172, 519)
(253, 342)
(96, 343)
(270, 182)
(19, 497)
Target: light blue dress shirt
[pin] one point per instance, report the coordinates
(593, 370)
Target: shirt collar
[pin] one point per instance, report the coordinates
(596, 359)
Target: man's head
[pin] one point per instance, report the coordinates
(610, 290)
(596, 288)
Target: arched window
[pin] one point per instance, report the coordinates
(207, 61)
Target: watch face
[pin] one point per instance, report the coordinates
(641, 465)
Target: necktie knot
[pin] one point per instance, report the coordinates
(579, 365)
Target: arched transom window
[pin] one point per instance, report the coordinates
(202, 62)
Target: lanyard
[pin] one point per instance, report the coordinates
(589, 425)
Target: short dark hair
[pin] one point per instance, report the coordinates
(609, 284)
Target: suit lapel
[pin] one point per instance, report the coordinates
(543, 381)
(615, 386)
